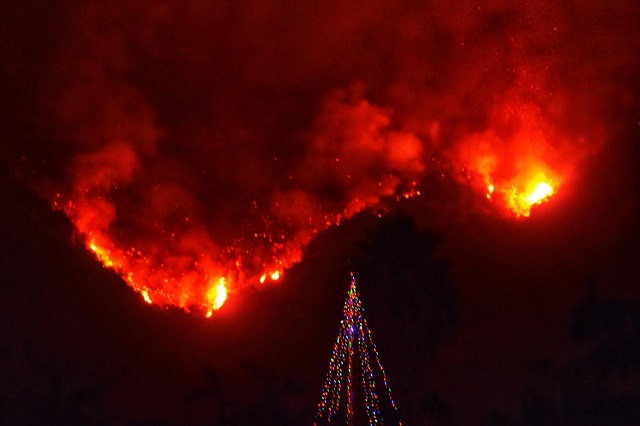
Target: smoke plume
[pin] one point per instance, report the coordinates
(195, 143)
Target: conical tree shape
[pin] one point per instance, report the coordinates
(355, 356)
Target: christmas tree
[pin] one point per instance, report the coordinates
(354, 350)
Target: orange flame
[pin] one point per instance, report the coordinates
(190, 287)
(274, 276)
(145, 296)
(217, 295)
(520, 198)
(154, 233)
(135, 270)
(515, 160)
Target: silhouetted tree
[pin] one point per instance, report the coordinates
(252, 396)
(38, 390)
(599, 387)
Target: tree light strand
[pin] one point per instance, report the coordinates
(354, 343)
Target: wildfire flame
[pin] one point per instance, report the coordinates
(520, 199)
(515, 162)
(203, 280)
(151, 282)
(217, 295)
(176, 177)
(163, 245)
(182, 266)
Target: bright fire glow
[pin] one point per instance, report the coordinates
(519, 199)
(156, 232)
(102, 254)
(490, 190)
(517, 164)
(198, 284)
(542, 192)
(126, 262)
(145, 296)
(217, 295)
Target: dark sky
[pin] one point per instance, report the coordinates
(205, 133)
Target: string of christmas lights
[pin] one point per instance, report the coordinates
(354, 341)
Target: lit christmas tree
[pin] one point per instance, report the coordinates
(354, 346)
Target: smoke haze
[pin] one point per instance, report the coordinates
(194, 140)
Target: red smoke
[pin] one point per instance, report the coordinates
(193, 142)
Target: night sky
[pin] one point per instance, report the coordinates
(235, 138)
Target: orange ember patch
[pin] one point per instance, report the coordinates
(201, 284)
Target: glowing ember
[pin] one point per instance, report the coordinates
(274, 276)
(490, 190)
